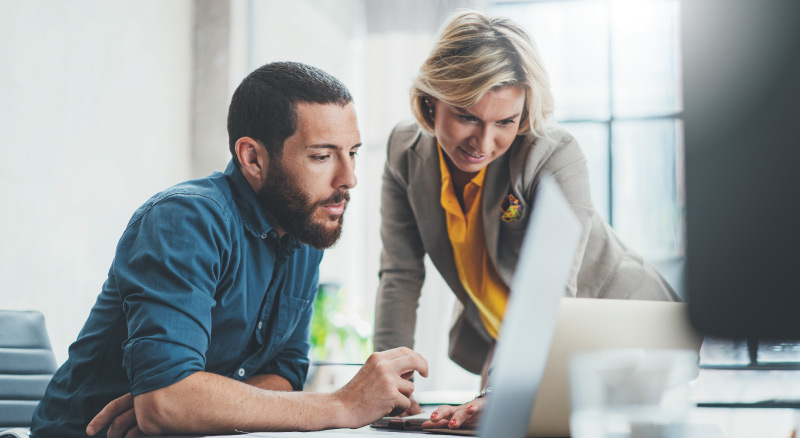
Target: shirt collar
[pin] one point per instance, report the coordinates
(253, 215)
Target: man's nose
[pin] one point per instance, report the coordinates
(345, 177)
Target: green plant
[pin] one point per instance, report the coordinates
(337, 332)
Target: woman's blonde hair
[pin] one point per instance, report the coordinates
(475, 54)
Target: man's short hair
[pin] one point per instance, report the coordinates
(263, 105)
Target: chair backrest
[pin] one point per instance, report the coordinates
(27, 364)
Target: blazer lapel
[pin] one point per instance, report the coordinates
(424, 187)
(496, 184)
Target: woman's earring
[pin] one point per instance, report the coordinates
(430, 107)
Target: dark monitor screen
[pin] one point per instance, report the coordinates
(741, 76)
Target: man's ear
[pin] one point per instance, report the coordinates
(254, 160)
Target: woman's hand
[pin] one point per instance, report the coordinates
(454, 417)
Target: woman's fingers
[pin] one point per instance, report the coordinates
(454, 417)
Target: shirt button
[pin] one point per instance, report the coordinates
(241, 372)
(259, 325)
(264, 236)
(273, 234)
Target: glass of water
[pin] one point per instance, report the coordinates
(631, 393)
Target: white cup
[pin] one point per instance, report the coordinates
(630, 393)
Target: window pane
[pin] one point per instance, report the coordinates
(644, 57)
(647, 214)
(593, 138)
(572, 38)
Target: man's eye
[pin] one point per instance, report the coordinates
(353, 154)
(320, 157)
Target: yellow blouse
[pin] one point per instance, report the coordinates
(475, 270)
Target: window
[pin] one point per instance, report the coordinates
(615, 74)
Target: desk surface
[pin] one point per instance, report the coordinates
(719, 385)
(732, 423)
(749, 423)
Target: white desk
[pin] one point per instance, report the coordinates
(748, 423)
(364, 432)
(745, 386)
(734, 423)
(711, 385)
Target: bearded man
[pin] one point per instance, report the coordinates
(203, 323)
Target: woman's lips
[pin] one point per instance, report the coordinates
(472, 158)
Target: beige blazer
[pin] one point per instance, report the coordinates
(413, 224)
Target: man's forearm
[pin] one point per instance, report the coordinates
(271, 382)
(208, 403)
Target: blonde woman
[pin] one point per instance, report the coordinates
(458, 186)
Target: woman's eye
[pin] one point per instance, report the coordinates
(507, 122)
(468, 119)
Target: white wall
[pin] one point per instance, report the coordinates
(94, 119)
(97, 96)
(328, 35)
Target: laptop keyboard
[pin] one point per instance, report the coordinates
(779, 352)
(738, 354)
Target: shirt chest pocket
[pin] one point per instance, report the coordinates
(291, 311)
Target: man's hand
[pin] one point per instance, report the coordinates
(381, 387)
(121, 417)
(414, 409)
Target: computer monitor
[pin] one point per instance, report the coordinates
(741, 76)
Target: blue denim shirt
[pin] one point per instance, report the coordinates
(200, 282)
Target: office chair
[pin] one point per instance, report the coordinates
(27, 364)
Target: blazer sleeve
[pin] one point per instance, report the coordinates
(567, 164)
(604, 267)
(402, 270)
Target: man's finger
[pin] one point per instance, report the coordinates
(135, 432)
(415, 408)
(394, 353)
(406, 388)
(410, 363)
(123, 423)
(401, 406)
(109, 412)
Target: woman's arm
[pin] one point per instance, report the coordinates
(566, 162)
(402, 270)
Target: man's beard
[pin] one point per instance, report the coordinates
(293, 209)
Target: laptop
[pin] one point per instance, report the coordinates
(541, 328)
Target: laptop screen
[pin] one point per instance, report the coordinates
(547, 254)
